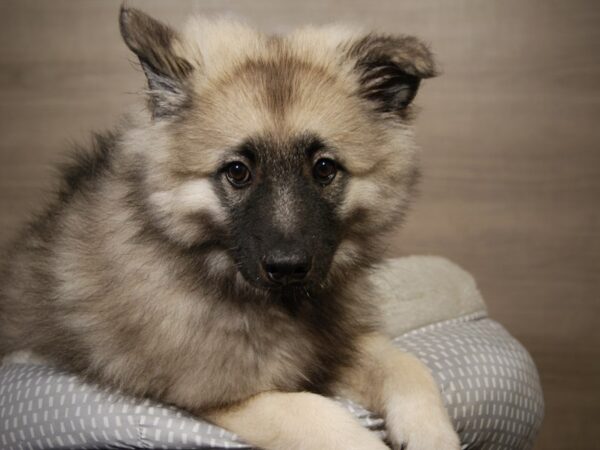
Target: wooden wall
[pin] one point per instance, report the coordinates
(510, 136)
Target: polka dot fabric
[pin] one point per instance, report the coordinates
(488, 381)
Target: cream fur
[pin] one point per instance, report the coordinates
(398, 386)
(296, 421)
(23, 357)
(388, 381)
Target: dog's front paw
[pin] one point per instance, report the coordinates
(422, 427)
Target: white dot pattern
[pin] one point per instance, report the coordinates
(488, 381)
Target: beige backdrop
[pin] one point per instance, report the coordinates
(510, 136)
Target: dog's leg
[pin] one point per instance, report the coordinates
(398, 386)
(296, 421)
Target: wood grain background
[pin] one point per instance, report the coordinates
(510, 136)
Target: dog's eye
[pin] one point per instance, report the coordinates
(238, 174)
(324, 170)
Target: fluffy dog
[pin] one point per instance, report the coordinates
(212, 252)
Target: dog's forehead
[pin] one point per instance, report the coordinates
(267, 81)
(281, 100)
(279, 88)
(279, 97)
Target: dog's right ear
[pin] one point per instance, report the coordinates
(166, 72)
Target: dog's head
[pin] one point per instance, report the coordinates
(294, 152)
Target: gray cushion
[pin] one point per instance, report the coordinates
(488, 381)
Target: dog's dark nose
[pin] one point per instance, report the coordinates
(287, 268)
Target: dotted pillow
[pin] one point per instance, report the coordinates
(488, 381)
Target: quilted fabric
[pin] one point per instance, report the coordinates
(488, 381)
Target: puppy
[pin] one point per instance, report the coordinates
(212, 252)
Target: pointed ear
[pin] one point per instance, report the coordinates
(166, 72)
(390, 69)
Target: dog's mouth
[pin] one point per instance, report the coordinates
(290, 293)
(276, 281)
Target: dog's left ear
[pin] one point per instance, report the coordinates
(390, 69)
(167, 73)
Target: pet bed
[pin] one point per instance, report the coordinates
(432, 309)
